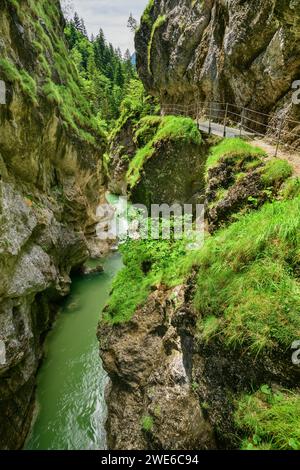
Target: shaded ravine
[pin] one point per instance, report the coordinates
(71, 408)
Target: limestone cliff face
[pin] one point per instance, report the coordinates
(151, 402)
(50, 176)
(245, 53)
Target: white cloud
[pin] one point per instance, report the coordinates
(111, 16)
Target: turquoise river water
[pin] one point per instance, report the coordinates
(71, 411)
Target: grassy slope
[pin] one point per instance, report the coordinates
(269, 420)
(54, 78)
(247, 292)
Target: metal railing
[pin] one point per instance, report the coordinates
(243, 121)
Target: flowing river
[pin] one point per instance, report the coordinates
(71, 411)
(70, 385)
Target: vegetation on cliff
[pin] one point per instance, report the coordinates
(148, 263)
(170, 128)
(269, 420)
(88, 89)
(246, 292)
(252, 265)
(239, 178)
(56, 78)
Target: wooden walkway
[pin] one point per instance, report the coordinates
(221, 131)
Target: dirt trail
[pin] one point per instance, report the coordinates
(291, 156)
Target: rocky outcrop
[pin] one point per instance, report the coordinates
(151, 401)
(244, 53)
(172, 390)
(50, 177)
(122, 149)
(240, 183)
(173, 175)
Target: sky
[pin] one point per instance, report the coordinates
(111, 16)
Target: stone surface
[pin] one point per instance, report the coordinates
(244, 53)
(49, 190)
(147, 363)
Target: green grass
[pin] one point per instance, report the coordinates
(232, 147)
(12, 74)
(276, 171)
(269, 420)
(291, 188)
(172, 128)
(247, 288)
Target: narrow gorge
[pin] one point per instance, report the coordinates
(199, 341)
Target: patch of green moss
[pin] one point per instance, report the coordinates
(27, 84)
(146, 16)
(160, 21)
(147, 423)
(269, 420)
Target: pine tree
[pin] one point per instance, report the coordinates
(132, 24)
(82, 28)
(76, 21)
(104, 72)
(119, 77)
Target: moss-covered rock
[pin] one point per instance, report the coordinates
(50, 179)
(240, 178)
(170, 167)
(244, 53)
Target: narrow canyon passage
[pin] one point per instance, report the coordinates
(70, 406)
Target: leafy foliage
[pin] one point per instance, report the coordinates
(148, 262)
(269, 420)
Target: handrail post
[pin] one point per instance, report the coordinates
(242, 121)
(210, 117)
(225, 119)
(279, 136)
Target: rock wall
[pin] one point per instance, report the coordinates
(151, 402)
(174, 175)
(50, 178)
(244, 53)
